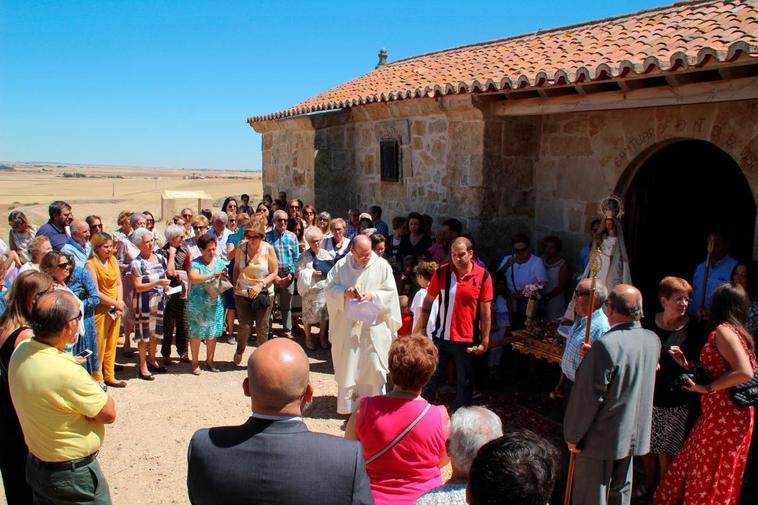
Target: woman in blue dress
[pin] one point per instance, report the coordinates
(205, 305)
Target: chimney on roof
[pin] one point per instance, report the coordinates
(382, 58)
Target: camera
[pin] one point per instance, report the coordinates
(696, 375)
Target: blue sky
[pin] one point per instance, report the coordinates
(170, 83)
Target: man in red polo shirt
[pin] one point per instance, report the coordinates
(463, 322)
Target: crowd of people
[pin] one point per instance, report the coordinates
(403, 309)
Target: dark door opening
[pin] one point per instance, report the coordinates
(681, 193)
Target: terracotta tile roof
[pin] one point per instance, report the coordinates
(688, 34)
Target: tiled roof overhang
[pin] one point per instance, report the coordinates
(678, 37)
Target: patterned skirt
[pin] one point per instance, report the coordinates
(669, 429)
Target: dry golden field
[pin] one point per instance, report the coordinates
(31, 190)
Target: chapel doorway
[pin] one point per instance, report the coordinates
(681, 192)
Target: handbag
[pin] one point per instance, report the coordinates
(745, 394)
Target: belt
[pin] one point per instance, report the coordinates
(63, 465)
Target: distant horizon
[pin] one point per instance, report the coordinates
(164, 84)
(111, 165)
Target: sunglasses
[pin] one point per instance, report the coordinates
(520, 249)
(97, 226)
(196, 228)
(281, 220)
(188, 216)
(78, 316)
(63, 266)
(323, 219)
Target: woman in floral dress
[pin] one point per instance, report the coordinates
(205, 306)
(709, 468)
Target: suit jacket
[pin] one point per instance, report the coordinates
(611, 404)
(275, 462)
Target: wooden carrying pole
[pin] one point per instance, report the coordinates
(595, 265)
(705, 274)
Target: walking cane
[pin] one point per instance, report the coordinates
(595, 265)
(705, 273)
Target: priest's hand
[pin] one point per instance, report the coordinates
(365, 297)
(352, 294)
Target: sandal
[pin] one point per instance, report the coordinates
(116, 384)
(196, 371)
(211, 368)
(146, 377)
(154, 367)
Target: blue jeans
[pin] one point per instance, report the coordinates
(65, 486)
(464, 370)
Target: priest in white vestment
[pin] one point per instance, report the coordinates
(364, 316)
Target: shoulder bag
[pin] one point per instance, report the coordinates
(745, 394)
(400, 436)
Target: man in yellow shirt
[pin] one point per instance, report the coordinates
(62, 411)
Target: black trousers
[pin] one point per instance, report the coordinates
(175, 328)
(464, 371)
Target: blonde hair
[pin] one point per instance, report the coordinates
(36, 244)
(124, 214)
(199, 220)
(257, 225)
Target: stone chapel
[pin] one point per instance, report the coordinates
(529, 133)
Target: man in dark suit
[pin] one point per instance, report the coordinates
(609, 412)
(273, 458)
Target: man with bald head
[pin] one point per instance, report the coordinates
(364, 316)
(462, 326)
(273, 458)
(78, 245)
(610, 409)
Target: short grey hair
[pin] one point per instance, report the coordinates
(313, 233)
(136, 217)
(279, 214)
(138, 236)
(601, 293)
(470, 429)
(219, 215)
(172, 231)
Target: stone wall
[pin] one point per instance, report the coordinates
(499, 174)
(584, 156)
(441, 147)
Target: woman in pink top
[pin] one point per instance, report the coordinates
(402, 472)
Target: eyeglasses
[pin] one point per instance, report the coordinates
(63, 266)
